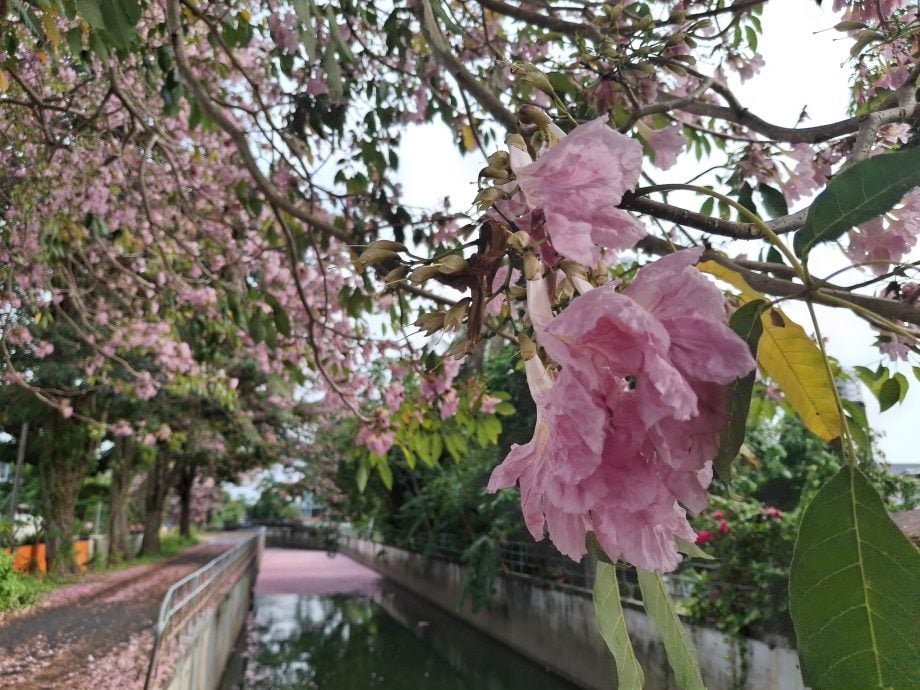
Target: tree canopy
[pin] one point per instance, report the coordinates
(201, 222)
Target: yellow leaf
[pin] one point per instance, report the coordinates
(51, 30)
(791, 358)
(4, 82)
(469, 140)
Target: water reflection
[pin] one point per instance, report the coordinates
(394, 642)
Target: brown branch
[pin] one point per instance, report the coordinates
(237, 136)
(544, 21)
(467, 81)
(822, 293)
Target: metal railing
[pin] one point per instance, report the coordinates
(186, 600)
(540, 561)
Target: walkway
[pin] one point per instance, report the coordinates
(96, 634)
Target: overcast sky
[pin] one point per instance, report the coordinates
(805, 68)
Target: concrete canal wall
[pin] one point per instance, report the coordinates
(556, 628)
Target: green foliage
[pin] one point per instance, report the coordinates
(854, 581)
(18, 590)
(272, 506)
(865, 191)
(743, 591)
(230, 514)
(746, 322)
(612, 624)
(679, 647)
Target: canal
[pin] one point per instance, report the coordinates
(328, 623)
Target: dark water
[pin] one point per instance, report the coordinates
(390, 641)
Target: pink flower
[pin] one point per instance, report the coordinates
(626, 430)
(121, 428)
(565, 448)
(665, 143)
(449, 404)
(578, 183)
(665, 330)
(703, 536)
(723, 527)
(888, 239)
(43, 348)
(718, 515)
(494, 305)
(488, 403)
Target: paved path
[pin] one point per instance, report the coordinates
(294, 571)
(97, 634)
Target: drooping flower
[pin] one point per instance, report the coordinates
(626, 430)
(577, 185)
(666, 143)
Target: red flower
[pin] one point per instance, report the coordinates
(771, 512)
(723, 527)
(703, 536)
(718, 515)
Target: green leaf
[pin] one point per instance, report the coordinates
(612, 624)
(854, 591)
(692, 550)
(773, 200)
(456, 446)
(865, 191)
(746, 322)
(386, 474)
(746, 198)
(680, 649)
(504, 408)
(362, 475)
(487, 431)
(91, 12)
(889, 394)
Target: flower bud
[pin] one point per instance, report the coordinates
(499, 159)
(453, 264)
(397, 275)
(531, 74)
(375, 255)
(494, 173)
(423, 273)
(453, 319)
(533, 267)
(534, 115)
(516, 140)
(520, 240)
(387, 244)
(431, 322)
(487, 197)
(528, 347)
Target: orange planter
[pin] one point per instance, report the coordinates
(30, 558)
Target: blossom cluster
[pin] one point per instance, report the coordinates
(630, 411)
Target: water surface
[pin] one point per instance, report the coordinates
(389, 640)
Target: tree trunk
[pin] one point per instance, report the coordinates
(122, 472)
(184, 489)
(61, 470)
(154, 499)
